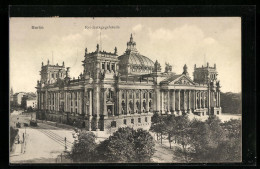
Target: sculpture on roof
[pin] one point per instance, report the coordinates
(185, 70)
(97, 47)
(168, 67)
(115, 50)
(157, 66)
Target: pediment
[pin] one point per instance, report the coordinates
(182, 80)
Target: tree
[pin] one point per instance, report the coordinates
(13, 134)
(127, 145)
(183, 135)
(158, 125)
(117, 148)
(231, 148)
(83, 150)
(144, 145)
(169, 127)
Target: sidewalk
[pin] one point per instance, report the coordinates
(20, 148)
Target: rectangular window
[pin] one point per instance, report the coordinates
(71, 110)
(75, 103)
(137, 95)
(71, 103)
(113, 123)
(150, 95)
(139, 120)
(76, 110)
(145, 119)
(132, 121)
(124, 121)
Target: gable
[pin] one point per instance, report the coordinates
(182, 80)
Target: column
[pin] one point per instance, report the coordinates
(184, 101)
(81, 101)
(113, 110)
(195, 100)
(212, 99)
(46, 100)
(173, 101)
(65, 101)
(134, 95)
(179, 101)
(147, 101)
(90, 110)
(105, 103)
(90, 103)
(162, 102)
(189, 102)
(168, 101)
(105, 65)
(157, 97)
(58, 101)
(141, 103)
(199, 99)
(209, 99)
(119, 102)
(204, 99)
(126, 103)
(218, 98)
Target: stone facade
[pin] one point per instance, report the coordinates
(116, 91)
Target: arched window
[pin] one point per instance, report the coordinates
(137, 95)
(150, 104)
(130, 95)
(144, 105)
(150, 95)
(137, 105)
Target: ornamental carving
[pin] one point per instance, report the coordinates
(183, 81)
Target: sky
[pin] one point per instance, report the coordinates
(176, 40)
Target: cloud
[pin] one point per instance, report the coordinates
(137, 28)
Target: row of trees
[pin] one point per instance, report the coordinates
(125, 145)
(198, 141)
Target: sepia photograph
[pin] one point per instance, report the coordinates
(125, 90)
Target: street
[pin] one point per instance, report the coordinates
(42, 144)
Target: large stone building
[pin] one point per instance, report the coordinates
(115, 91)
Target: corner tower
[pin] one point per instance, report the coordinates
(205, 75)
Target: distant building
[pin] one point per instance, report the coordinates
(29, 100)
(17, 98)
(117, 91)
